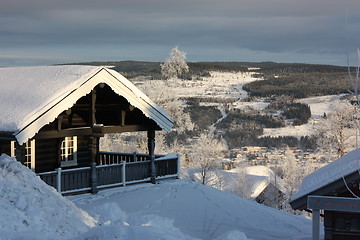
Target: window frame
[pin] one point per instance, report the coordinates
(68, 152)
(29, 160)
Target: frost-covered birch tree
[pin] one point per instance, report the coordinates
(175, 65)
(206, 155)
(337, 131)
(164, 96)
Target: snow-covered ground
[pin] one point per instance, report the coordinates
(174, 209)
(318, 107)
(218, 85)
(30, 209)
(228, 85)
(295, 131)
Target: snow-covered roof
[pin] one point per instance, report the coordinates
(330, 173)
(260, 177)
(31, 97)
(256, 180)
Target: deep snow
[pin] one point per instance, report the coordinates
(30, 209)
(174, 209)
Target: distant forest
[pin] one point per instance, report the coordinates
(292, 79)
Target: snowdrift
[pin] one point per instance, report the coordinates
(187, 210)
(29, 208)
(170, 210)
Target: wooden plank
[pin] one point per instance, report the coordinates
(87, 131)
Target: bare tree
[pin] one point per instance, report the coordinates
(206, 155)
(175, 65)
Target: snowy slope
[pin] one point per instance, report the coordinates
(171, 210)
(30, 209)
(197, 211)
(318, 106)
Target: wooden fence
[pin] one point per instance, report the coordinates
(113, 169)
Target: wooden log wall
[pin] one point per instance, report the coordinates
(5, 147)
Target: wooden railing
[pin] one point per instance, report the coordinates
(110, 172)
(106, 158)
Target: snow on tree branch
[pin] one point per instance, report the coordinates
(175, 65)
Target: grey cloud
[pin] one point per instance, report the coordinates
(205, 27)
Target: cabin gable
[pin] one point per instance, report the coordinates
(119, 85)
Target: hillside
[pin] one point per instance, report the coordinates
(170, 210)
(295, 79)
(259, 104)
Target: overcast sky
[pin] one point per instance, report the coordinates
(42, 32)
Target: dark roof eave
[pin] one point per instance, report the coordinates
(5, 135)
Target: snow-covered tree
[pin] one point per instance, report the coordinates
(175, 65)
(338, 130)
(292, 172)
(206, 155)
(242, 187)
(164, 96)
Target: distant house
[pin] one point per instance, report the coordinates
(340, 178)
(264, 185)
(258, 183)
(53, 117)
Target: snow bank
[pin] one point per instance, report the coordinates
(170, 210)
(30, 209)
(178, 209)
(149, 227)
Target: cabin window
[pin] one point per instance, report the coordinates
(69, 152)
(29, 160)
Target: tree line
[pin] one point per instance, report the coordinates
(300, 85)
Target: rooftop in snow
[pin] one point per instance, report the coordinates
(31, 97)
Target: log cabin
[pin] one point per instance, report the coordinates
(337, 181)
(52, 118)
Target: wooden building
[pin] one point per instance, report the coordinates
(341, 179)
(53, 117)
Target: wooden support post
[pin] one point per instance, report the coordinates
(123, 116)
(93, 109)
(58, 180)
(93, 153)
(151, 148)
(123, 173)
(59, 123)
(20, 152)
(178, 166)
(59, 143)
(135, 156)
(316, 224)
